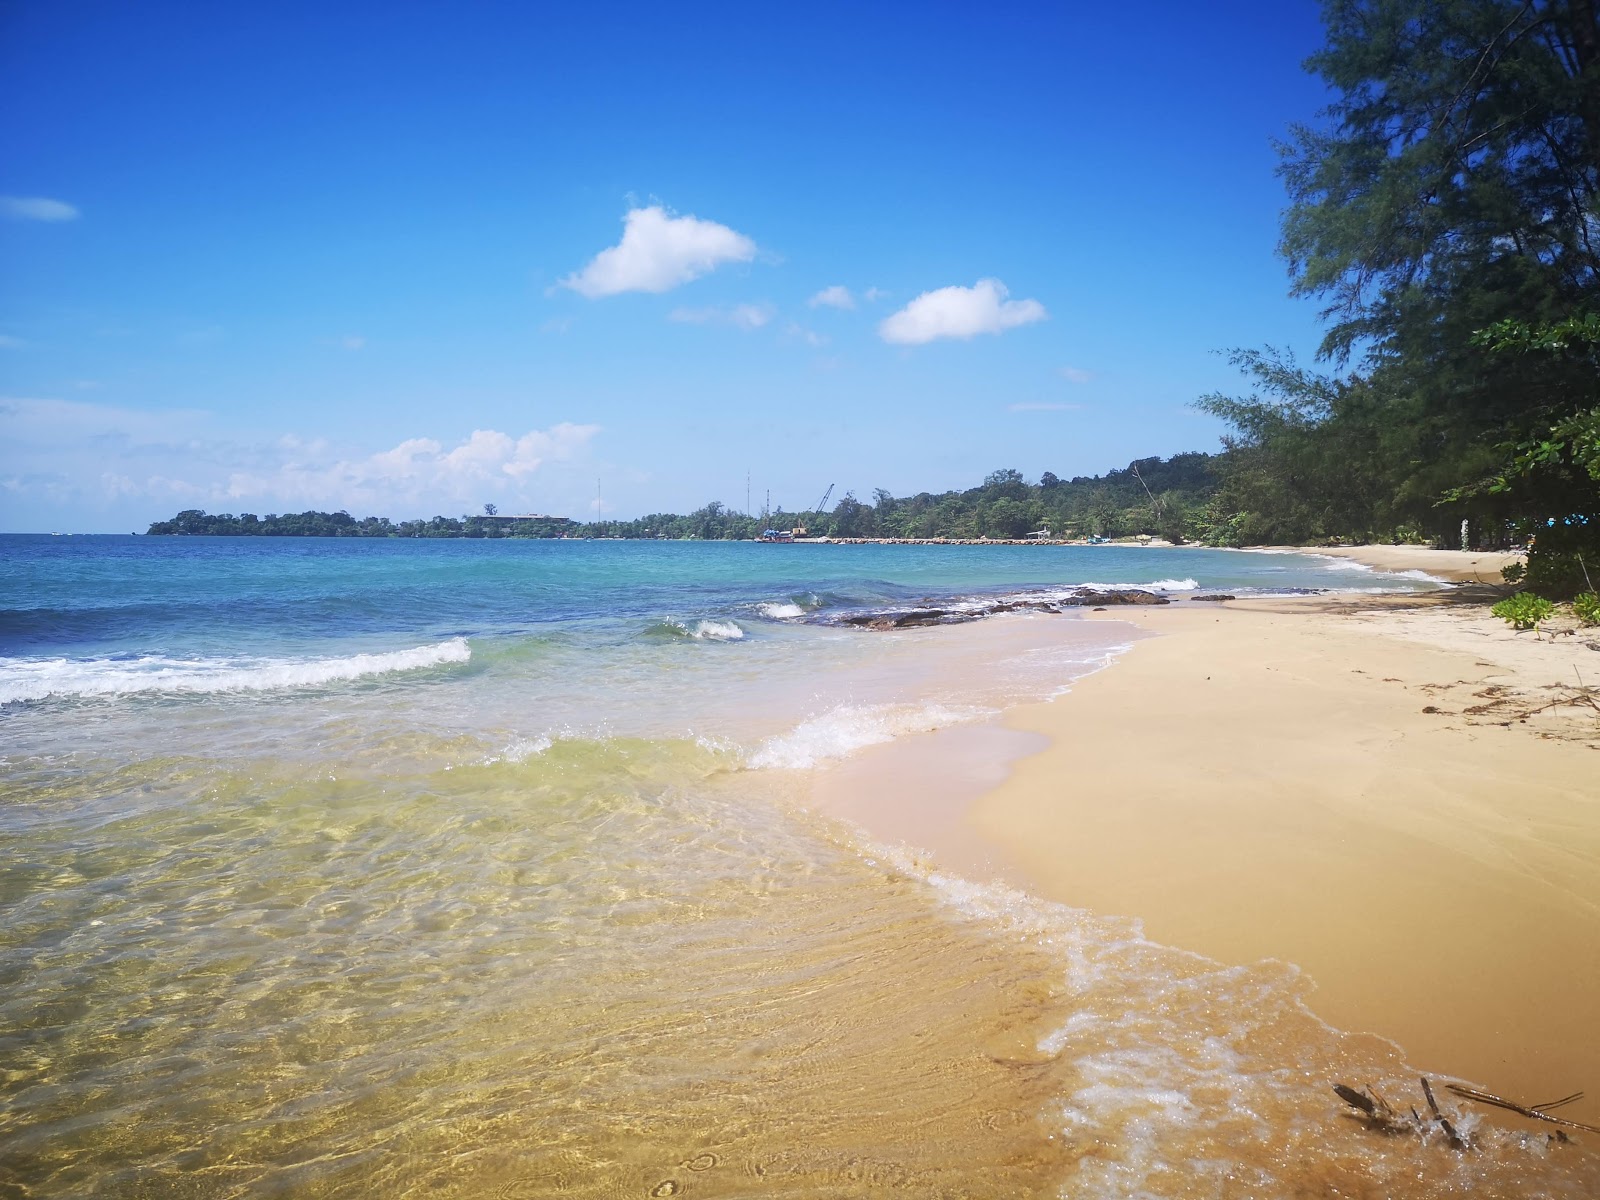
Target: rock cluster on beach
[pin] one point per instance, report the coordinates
(911, 618)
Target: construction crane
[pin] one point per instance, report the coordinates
(800, 530)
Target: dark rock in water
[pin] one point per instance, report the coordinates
(1213, 597)
(1087, 596)
(914, 617)
(921, 616)
(899, 620)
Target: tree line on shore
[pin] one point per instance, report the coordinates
(1164, 497)
(1445, 210)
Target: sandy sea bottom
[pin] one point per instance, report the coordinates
(622, 969)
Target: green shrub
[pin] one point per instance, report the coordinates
(1586, 606)
(1524, 610)
(1514, 573)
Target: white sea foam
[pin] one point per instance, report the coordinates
(1174, 585)
(716, 631)
(523, 748)
(1155, 585)
(843, 730)
(24, 679)
(780, 611)
(1332, 563)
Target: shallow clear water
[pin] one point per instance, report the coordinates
(468, 868)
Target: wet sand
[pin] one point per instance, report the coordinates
(1302, 780)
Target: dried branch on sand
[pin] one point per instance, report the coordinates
(1383, 1117)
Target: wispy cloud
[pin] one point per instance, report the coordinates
(810, 337)
(7, 342)
(1018, 408)
(36, 208)
(658, 252)
(72, 452)
(959, 312)
(1076, 375)
(837, 296)
(353, 342)
(740, 316)
(872, 295)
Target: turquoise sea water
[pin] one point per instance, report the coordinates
(347, 868)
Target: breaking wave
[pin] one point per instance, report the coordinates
(843, 730)
(780, 611)
(39, 679)
(698, 631)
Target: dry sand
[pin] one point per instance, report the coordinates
(1342, 783)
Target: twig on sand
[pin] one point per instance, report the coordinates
(1538, 1112)
(1380, 1115)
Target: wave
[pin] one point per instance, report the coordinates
(700, 631)
(39, 679)
(780, 611)
(1334, 563)
(1155, 585)
(843, 730)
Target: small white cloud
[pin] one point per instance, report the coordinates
(740, 316)
(353, 342)
(809, 336)
(7, 342)
(657, 253)
(837, 296)
(1043, 407)
(872, 295)
(1076, 375)
(36, 208)
(556, 325)
(959, 312)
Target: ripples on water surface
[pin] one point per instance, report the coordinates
(535, 921)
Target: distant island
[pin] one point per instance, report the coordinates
(1170, 498)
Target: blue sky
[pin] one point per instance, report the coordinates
(405, 259)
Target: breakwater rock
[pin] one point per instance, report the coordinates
(911, 618)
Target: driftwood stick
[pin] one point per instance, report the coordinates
(1549, 1104)
(1524, 1110)
(1433, 1106)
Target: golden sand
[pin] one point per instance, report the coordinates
(1345, 784)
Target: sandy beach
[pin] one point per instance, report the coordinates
(1359, 785)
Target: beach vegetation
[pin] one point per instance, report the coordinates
(1524, 610)
(1586, 607)
(1151, 496)
(1443, 209)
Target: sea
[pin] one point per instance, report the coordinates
(460, 868)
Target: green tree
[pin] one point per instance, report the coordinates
(1453, 185)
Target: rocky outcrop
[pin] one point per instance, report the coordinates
(1090, 597)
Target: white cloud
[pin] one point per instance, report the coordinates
(417, 466)
(741, 316)
(36, 208)
(872, 295)
(353, 342)
(657, 253)
(837, 296)
(60, 454)
(7, 342)
(1043, 407)
(1076, 375)
(959, 312)
(809, 336)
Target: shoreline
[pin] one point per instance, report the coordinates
(1301, 779)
